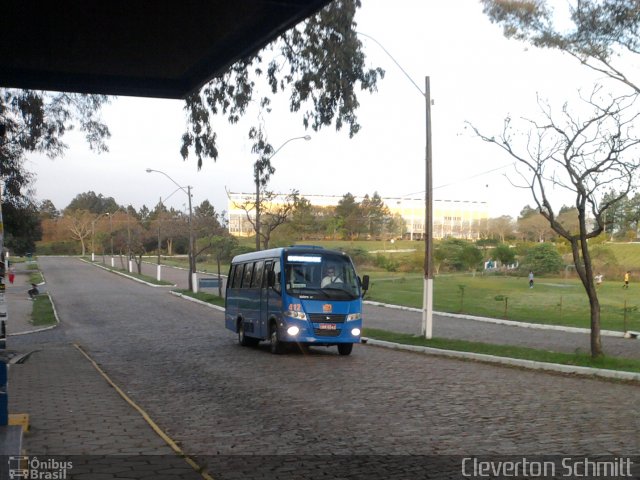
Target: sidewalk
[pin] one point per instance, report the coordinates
(73, 410)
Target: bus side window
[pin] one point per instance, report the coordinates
(237, 278)
(268, 266)
(232, 273)
(248, 271)
(276, 270)
(257, 275)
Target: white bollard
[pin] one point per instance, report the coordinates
(130, 266)
(113, 264)
(159, 274)
(194, 281)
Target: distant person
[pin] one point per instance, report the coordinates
(598, 279)
(33, 291)
(627, 275)
(531, 279)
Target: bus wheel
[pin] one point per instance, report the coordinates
(345, 348)
(242, 338)
(276, 345)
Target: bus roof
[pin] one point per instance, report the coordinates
(277, 252)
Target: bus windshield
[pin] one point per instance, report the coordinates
(320, 276)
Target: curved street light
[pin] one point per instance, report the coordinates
(427, 298)
(257, 226)
(192, 266)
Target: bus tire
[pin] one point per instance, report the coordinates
(345, 348)
(276, 346)
(243, 340)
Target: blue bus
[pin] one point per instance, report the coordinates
(305, 295)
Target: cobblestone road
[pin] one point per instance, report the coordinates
(404, 321)
(216, 398)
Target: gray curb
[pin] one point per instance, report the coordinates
(195, 300)
(43, 329)
(127, 276)
(529, 364)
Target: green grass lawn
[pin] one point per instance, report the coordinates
(204, 297)
(552, 300)
(42, 313)
(509, 351)
(627, 254)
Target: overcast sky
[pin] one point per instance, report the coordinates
(476, 75)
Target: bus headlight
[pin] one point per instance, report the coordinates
(298, 315)
(355, 332)
(293, 331)
(354, 316)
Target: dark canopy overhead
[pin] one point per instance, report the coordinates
(153, 48)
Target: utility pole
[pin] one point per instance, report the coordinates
(427, 301)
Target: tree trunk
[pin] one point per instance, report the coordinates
(585, 273)
(219, 277)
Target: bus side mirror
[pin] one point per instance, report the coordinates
(271, 279)
(364, 284)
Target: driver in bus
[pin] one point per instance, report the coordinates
(330, 277)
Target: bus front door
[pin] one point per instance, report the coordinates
(263, 314)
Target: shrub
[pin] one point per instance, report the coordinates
(387, 263)
(68, 247)
(542, 259)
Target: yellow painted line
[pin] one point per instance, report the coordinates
(168, 440)
(21, 419)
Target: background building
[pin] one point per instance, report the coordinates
(451, 218)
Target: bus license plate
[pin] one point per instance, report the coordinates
(327, 326)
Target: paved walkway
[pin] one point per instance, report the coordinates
(74, 411)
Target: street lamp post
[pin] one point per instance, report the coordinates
(192, 266)
(427, 299)
(93, 236)
(257, 175)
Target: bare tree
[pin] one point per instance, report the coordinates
(586, 157)
(78, 222)
(502, 227)
(534, 227)
(275, 210)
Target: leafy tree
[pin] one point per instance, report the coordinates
(348, 210)
(304, 222)
(376, 213)
(470, 257)
(32, 121)
(600, 33)
(542, 259)
(47, 210)
(22, 226)
(207, 226)
(93, 203)
(504, 254)
(449, 252)
(319, 64)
